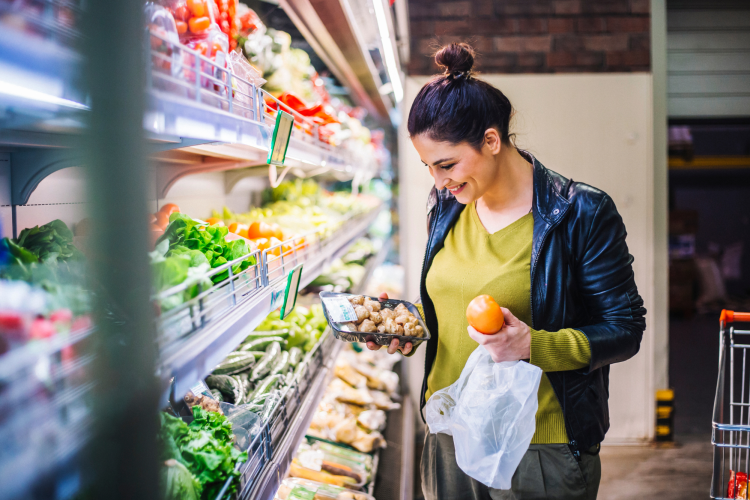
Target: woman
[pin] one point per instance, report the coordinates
(552, 251)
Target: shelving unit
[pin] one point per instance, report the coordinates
(190, 129)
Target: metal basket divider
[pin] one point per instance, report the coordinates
(259, 458)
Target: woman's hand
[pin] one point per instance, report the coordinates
(394, 343)
(511, 343)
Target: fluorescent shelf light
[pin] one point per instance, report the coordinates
(390, 58)
(18, 91)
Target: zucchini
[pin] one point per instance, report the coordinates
(262, 343)
(265, 363)
(227, 385)
(216, 394)
(284, 333)
(295, 356)
(265, 387)
(281, 366)
(236, 362)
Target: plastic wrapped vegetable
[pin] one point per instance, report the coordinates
(302, 488)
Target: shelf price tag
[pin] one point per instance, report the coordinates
(282, 132)
(290, 294)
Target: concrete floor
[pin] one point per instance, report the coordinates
(679, 473)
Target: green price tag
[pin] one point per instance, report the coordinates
(290, 294)
(282, 132)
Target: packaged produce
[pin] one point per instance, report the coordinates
(344, 455)
(339, 477)
(164, 40)
(358, 318)
(297, 489)
(227, 20)
(317, 459)
(373, 420)
(737, 487)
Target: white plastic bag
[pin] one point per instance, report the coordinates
(491, 413)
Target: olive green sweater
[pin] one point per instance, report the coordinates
(474, 262)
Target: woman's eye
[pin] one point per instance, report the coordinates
(448, 167)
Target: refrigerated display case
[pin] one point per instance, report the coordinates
(207, 133)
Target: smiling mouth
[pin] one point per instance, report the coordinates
(457, 189)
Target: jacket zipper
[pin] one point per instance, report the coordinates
(571, 441)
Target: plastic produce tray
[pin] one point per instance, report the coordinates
(378, 338)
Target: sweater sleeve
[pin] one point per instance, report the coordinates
(563, 350)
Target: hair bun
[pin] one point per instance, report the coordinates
(456, 59)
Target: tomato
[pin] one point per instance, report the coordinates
(162, 220)
(182, 27)
(169, 209)
(225, 26)
(198, 8)
(485, 315)
(181, 13)
(201, 47)
(199, 24)
(216, 47)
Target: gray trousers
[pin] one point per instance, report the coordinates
(546, 471)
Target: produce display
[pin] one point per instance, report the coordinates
(347, 271)
(353, 408)
(268, 360)
(198, 456)
(294, 488)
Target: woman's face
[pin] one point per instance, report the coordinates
(467, 172)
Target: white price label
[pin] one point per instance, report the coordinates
(340, 309)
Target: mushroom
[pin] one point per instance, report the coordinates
(362, 313)
(357, 300)
(402, 319)
(376, 317)
(367, 326)
(372, 305)
(387, 313)
(349, 327)
(381, 328)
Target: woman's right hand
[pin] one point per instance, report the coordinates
(406, 349)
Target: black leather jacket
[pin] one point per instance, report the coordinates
(581, 277)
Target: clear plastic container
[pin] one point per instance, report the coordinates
(294, 487)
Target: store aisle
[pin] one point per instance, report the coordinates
(679, 473)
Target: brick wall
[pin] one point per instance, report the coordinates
(534, 36)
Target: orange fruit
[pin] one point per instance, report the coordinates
(215, 221)
(259, 230)
(262, 243)
(233, 227)
(243, 232)
(485, 315)
(162, 220)
(169, 209)
(272, 242)
(277, 232)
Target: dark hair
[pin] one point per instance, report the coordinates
(456, 107)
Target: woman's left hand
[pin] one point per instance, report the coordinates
(511, 343)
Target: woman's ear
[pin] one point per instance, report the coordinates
(492, 140)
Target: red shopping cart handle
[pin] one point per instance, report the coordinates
(732, 316)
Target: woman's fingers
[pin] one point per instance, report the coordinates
(393, 347)
(373, 346)
(406, 349)
(383, 296)
(510, 319)
(478, 337)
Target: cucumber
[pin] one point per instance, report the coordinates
(236, 362)
(216, 393)
(295, 356)
(289, 378)
(260, 399)
(262, 343)
(227, 385)
(242, 390)
(268, 409)
(263, 334)
(281, 366)
(265, 363)
(265, 387)
(257, 354)
(253, 408)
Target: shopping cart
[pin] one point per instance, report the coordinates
(731, 421)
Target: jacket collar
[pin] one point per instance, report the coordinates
(550, 194)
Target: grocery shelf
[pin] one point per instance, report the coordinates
(266, 485)
(198, 337)
(372, 264)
